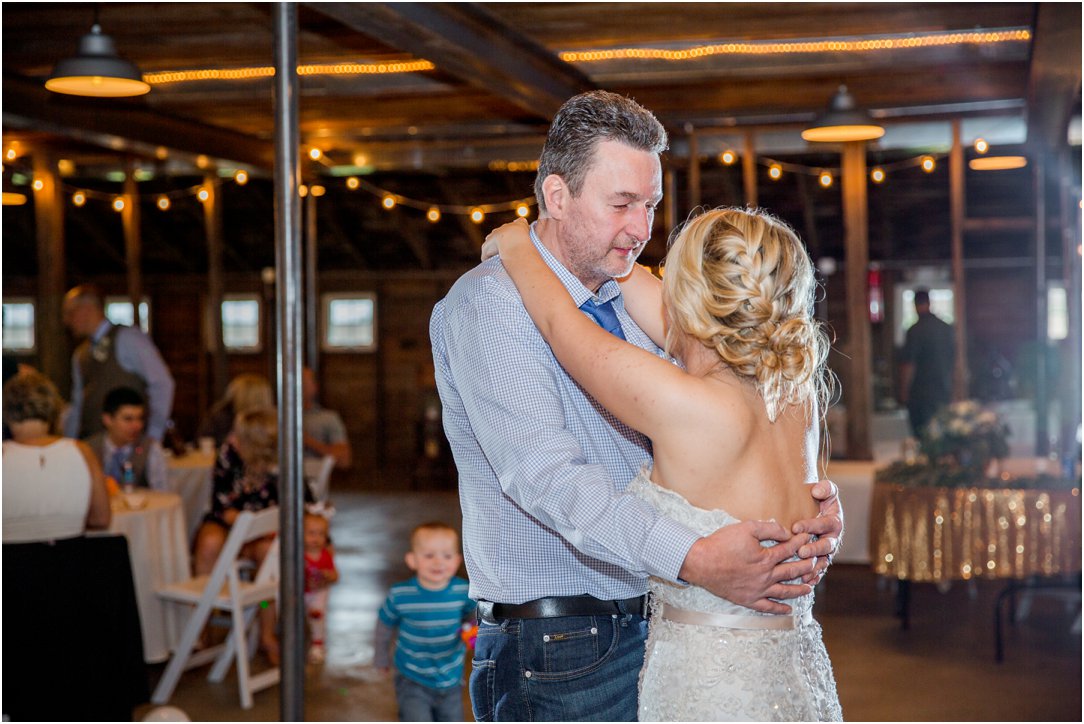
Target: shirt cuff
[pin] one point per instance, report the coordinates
(667, 545)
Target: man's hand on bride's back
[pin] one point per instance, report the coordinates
(732, 564)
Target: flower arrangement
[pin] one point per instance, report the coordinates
(964, 435)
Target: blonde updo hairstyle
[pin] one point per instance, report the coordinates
(257, 435)
(740, 282)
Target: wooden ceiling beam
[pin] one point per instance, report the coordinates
(124, 126)
(1054, 79)
(472, 45)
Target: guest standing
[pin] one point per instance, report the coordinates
(928, 357)
(111, 356)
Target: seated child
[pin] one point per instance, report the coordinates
(127, 455)
(320, 573)
(428, 610)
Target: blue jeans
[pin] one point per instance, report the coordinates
(418, 702)
(575, 668)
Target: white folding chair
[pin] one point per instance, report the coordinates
(224, 589)
(318, 476)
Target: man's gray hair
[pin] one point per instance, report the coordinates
(581, 123)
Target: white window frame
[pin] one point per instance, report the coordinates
(33, 326)
(326, 301)
(236, 348)
(144, 310)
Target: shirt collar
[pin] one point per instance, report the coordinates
(102, 329)
(609, 290)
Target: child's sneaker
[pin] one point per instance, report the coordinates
(316, 654)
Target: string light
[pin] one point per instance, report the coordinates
(240, 177)
(203, 194)
(118, 204)
(161, 153)
(775, 171)
(267, 71)
(477, 215)
(885, 42)
(825, 179)
(433, 214)
(315, 154)
(981, 146)
(11, 154)
(202, 161)
(388, 202)
(877, 174)
(317, 190)
(728, 157)
(66, 167)
(79, 198)
(352, 183)
(928, 164)
(302, 190)
(523, 210)
(163, 203)
(38, 184)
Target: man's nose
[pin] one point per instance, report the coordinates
(640, 225)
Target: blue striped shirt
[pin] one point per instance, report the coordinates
(543, 468)
(429, 649)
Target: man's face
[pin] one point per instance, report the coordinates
(125, 426)
(604, 229)
(80, 317)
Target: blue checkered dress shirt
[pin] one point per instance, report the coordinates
(543, 468)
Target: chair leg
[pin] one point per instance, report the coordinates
(181, 653)
(240, 646)
(222, 663)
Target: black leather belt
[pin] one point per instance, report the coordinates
(556, 606)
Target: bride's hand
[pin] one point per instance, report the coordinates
(491, 247)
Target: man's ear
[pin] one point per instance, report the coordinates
(107, 420)
(555, 191)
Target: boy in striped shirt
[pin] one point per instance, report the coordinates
(429, 610)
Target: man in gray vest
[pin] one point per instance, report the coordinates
(111, 357)
(127, 455)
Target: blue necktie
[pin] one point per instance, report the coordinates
(115, 467)
(605, 315)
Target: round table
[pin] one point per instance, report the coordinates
(158, 546)
(190, 478)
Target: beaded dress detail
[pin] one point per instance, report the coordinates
(700, 672)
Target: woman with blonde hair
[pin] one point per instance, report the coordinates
(735, 430)
(247, 391)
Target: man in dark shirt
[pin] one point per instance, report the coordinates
(927, 362)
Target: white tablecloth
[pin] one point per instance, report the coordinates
(855, 481)
(158, 546)
(190, 478)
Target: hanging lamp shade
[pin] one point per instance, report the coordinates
(843, 121)
(97, 70)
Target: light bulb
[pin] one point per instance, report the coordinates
(775, 171)
(79, 198)
(163, 203)
(240, 177)
(877, 174)
(826, 179)
(352, 183)
(477, 215)
(38, 184)
(728, 157)
(118, 204)
(388, 201)
(928, 164)
(522, 210)
(433, 214)
(203, 194)
(981, 146)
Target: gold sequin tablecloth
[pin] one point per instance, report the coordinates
(927, 534)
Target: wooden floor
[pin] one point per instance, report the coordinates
(942, 669)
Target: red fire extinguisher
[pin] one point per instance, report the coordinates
(876, 294)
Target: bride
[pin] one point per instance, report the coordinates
(735, 432)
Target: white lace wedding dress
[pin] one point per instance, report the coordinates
(712, 660)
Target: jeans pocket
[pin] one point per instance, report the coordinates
(482, 689)
(573, 646)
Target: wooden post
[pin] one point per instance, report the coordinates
(694, 167)
(749, 170)
(212, 222)
(960, 383)
(49, 229)
(857, 393)
(133, 241)
(669, 204)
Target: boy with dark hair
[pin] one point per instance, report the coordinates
(127, 454)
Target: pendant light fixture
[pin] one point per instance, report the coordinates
(843, 121)
(96, 70)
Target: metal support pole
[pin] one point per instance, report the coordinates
(133, 241)
(288, 347)
(1042, 397)
(312, 334)
(960, 381)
